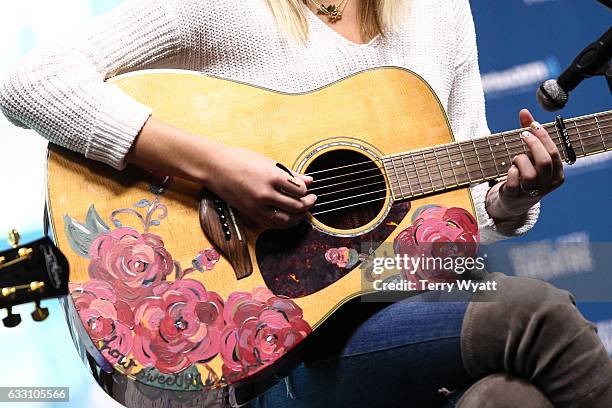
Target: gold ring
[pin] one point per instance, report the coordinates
(531, 192)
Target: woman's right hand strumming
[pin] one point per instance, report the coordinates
(244, 179)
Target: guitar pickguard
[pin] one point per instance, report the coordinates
(293, 263)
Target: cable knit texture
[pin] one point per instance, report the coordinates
(59, 90)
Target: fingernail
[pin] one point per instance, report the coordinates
(535, 125)
(315, 197)
(525, 134)
(308, 178)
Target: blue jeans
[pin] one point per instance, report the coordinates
(380, 355)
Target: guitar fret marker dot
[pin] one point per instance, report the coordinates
(503, 163)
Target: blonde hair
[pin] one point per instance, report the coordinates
(375, 17)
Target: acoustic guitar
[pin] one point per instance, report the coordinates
(175, 297)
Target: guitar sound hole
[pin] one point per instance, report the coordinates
(350, 189)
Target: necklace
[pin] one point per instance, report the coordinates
(332, 11)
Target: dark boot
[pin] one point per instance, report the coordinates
(503, 391)
(532, 330)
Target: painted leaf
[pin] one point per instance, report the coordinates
(142, 203)
(94, 222)
(81, 236)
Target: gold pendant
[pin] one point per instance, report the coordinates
(331, 12)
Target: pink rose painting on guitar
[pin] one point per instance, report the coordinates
(138, 317)
(142, 311)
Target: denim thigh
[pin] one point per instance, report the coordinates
(380, 355)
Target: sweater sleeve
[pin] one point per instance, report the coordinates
(59, 89)
(466, 109)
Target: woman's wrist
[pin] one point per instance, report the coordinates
(173, 151)
(502, 209)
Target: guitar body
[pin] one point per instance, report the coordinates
(286, 284)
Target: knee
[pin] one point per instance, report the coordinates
(520, 326)
(536, 303)
(521, 290)
(503, 391)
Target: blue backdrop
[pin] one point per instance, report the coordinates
(522, 43)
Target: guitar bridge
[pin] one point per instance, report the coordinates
(224, 229)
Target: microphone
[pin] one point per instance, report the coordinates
(553, 94)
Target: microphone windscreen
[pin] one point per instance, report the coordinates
(551, 96)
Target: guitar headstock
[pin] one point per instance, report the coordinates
(31, 273)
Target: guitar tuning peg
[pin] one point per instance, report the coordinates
(36, 286)
(13, 238)
(40, 313)
(11, 319)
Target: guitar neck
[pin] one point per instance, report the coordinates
(459, 164)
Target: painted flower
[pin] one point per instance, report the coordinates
(131, 262)
(105, 318)
(205, 260)
(260, 328)
(342, 257)
(436, 235)
(179, 326)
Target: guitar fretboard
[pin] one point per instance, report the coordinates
(459, 164)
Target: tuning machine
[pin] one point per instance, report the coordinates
(11, 319)
(23, 254)
(13, 238)
(40, 313)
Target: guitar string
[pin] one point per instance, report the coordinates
(433, 186)
(446, 161)
(472, 143)
(479, 140)
(400, 184)
(432, 183)
(423, 192)
(572, 126)
(441, 187)
(447, 171)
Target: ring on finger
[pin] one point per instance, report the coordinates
(273, 214)
(531, 192)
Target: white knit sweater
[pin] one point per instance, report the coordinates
(59, 90)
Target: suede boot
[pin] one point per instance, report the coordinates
(532, 330)
(503, 391)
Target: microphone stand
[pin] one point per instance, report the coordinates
(594, 60)
(606, 69)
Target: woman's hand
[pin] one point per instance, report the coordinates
(529, 178)
(259, 189)
(244, 179)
